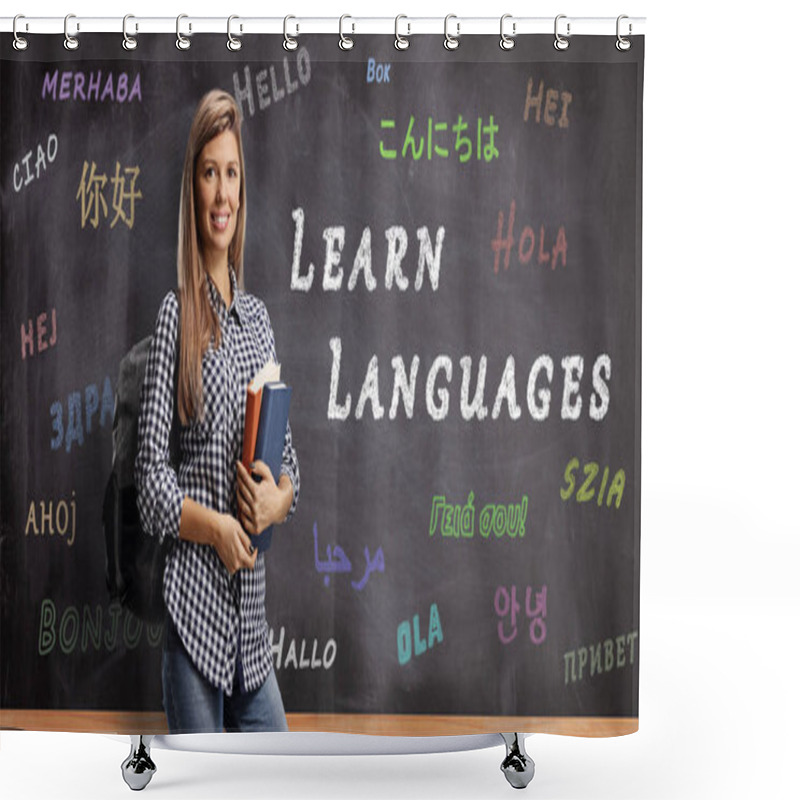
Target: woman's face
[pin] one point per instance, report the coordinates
(217, 180)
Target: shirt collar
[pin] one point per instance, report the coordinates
(236, 307)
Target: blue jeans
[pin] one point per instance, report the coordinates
(193, 705)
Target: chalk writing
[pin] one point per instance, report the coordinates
(64, 516)
(396, 248)
(41, 341)
(378, 73)
(301, 661)
(458, 522)
(93, 404)
(452, 520)
(85, 86)
(503, 520)
(555, 250)
(44, 156)
(338, 562)
(605, 656)
(506, 605)
(96, 627)
(91, 193)
(586, 492)
(440, 376)
(417, 645)
(435, 134)
(548, 105)
(269, 88)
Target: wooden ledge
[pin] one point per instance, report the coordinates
(124, 722)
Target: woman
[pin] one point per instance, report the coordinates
(217, 667)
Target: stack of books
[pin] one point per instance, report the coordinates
(266, 417)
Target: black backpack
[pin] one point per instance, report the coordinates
(135, 560)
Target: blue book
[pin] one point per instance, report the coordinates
(272, 423)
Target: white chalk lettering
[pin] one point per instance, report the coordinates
(438, 387)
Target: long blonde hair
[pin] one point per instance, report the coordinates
(216, 112)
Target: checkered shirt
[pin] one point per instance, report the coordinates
(218, 617)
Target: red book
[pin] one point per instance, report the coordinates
(269, 373)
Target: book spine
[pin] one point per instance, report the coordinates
(252, 413)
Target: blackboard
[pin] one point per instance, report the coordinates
(480, 213)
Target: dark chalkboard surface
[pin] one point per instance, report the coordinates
(473, 219)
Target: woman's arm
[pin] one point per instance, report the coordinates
(290, 471)
(221, 531)
(262, 503)
(158, 495)
(164, 509)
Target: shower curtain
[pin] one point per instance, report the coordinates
(448, 245)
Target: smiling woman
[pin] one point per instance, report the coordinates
(217, 185)
(217, 670)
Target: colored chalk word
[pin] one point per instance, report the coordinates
(96, 627)
(82, 409)
(494, 520)
(551, 247)
(429, 259)
(44, 339)
(41, 517)
(507, 608)
(44, 156)
(92, 195)
(85, 86)
(435, 134)
(415, 644)
(270, 86)
(296, 656)
(586, 490)
(548, 105)
(606, 656)
(437, 390)
(378, 73)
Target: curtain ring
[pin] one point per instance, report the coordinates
(128, 42)
(507, 42)
(451, 42)
(182, 43)
(345, 42)
(561, 43)
(623, 44)
(70, 42)
(234, 44)
(19, 42)
(288, 42)
(400, 42)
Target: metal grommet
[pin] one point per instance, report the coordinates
(400, 42)
(128, 42)
(288, 42)
(19, 42)
(623, 44)
(451, 42)
(234, 44)
(561, 43)
(182, 43)
(70, 42)
(345, 42)
(507, 42)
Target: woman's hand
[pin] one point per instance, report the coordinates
(233, 545)
(263, 503)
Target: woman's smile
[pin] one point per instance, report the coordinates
(220, 221)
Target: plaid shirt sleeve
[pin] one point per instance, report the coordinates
(158, 495)
(290, 465)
